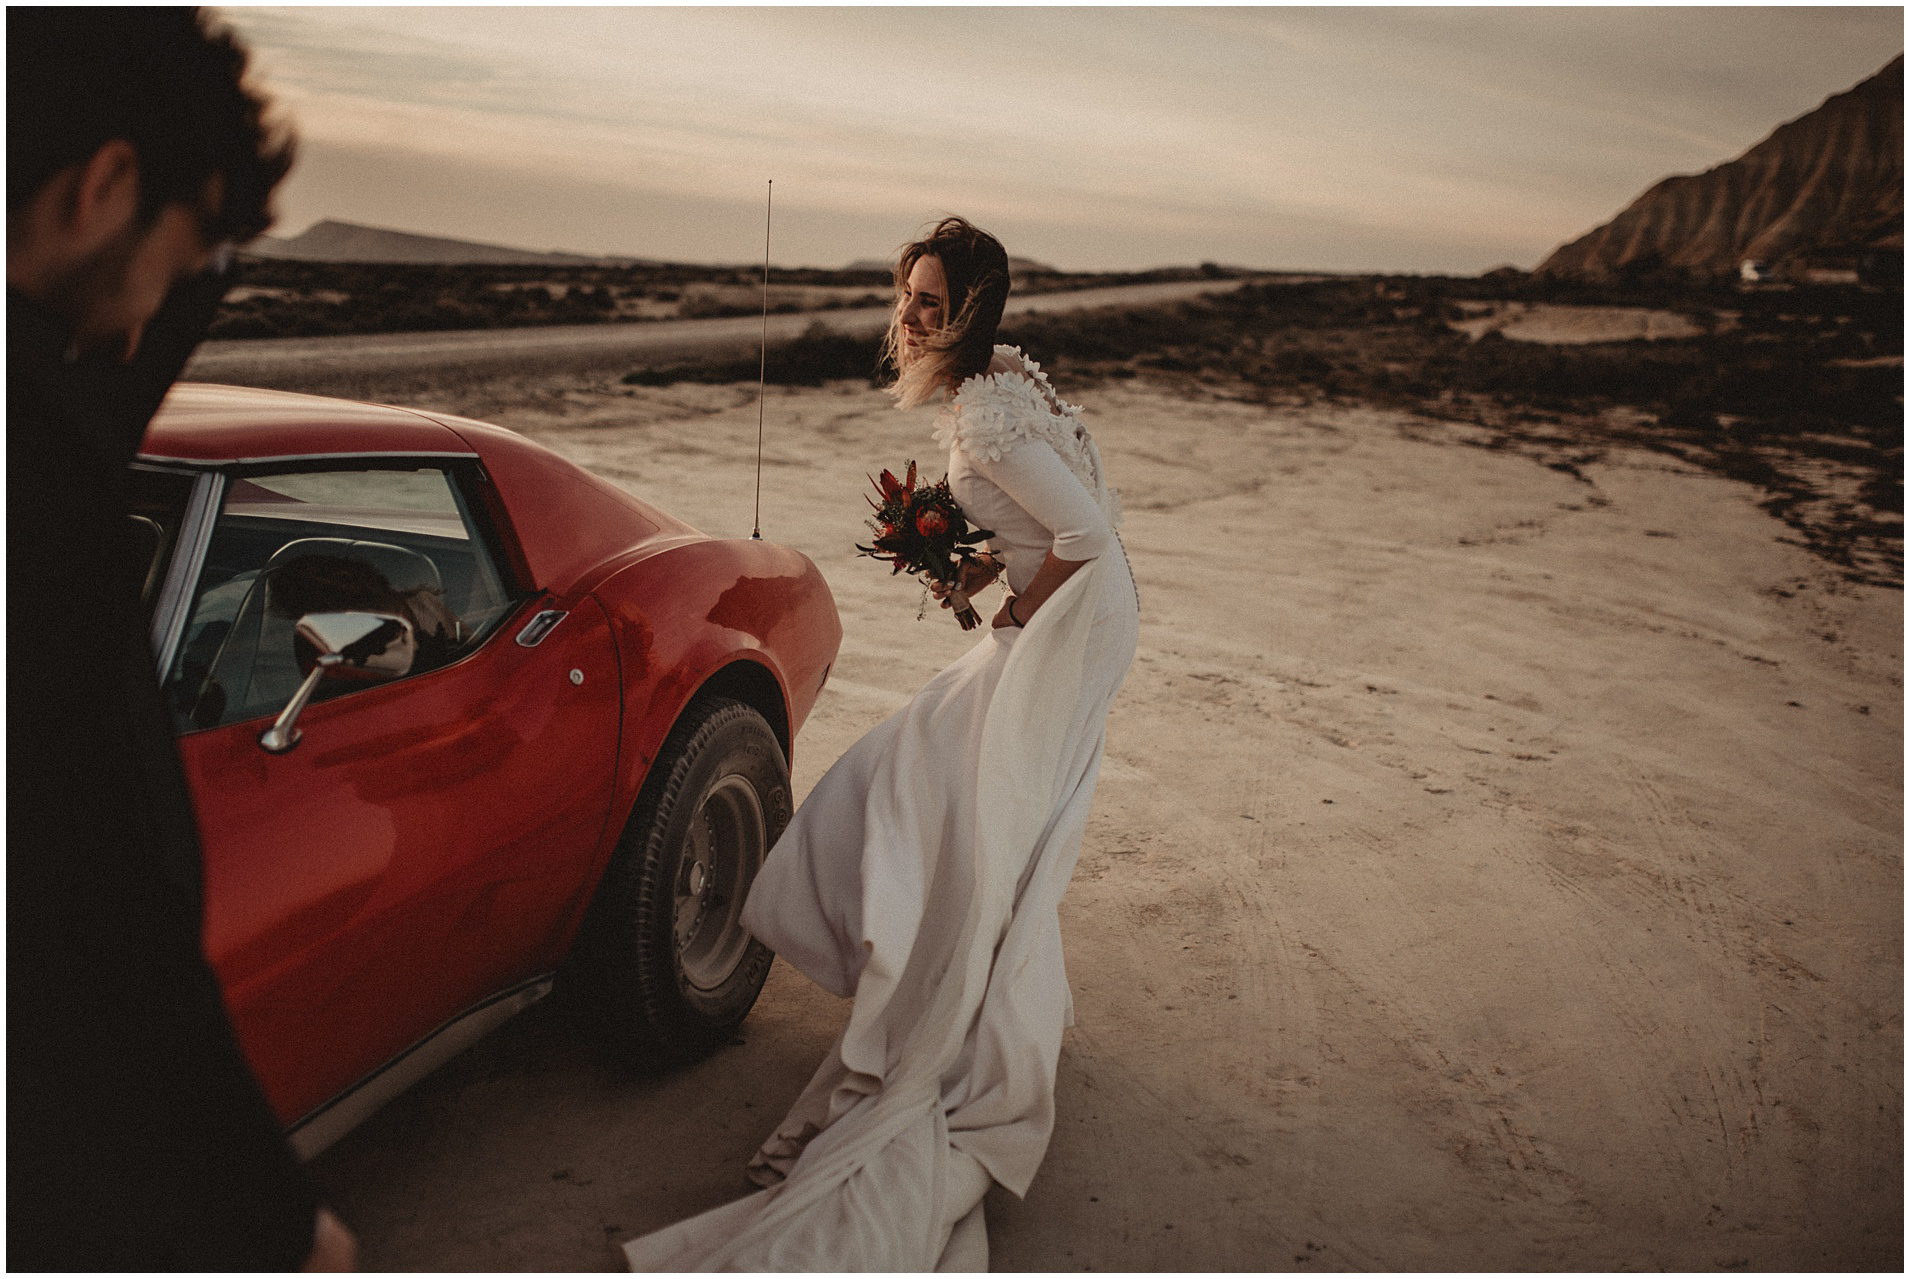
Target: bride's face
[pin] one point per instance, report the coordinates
(924, 301)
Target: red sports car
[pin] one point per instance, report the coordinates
(458, 715)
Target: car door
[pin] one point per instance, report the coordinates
(424, 842)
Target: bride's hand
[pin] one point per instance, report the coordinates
(1004, 618)
(976, 574)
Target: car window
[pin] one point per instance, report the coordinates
(156, 507)
(321, 540)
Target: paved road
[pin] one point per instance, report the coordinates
(328, 363)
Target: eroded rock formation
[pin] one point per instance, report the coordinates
(1824, 190)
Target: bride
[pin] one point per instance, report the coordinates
(924, 872)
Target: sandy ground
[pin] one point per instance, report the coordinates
(1490, 870)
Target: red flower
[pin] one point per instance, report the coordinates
(892, 488)
(922, 531)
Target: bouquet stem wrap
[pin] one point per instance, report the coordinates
(964, 611)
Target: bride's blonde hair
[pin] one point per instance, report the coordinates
(976, 268)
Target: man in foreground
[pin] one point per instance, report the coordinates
(138, 1138)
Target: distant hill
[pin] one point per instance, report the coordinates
(1016, 266)
(333, 241)
(1825, 189)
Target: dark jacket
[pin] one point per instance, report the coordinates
(137, 1137)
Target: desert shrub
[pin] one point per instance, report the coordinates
(708, 306)
(388, 297)
(820, 355)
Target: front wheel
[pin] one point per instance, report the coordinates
(663, 965)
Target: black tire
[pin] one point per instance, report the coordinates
(663, 966)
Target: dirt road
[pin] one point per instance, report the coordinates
(385, 365)
(1490, 870)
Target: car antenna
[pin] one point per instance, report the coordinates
(762, 369)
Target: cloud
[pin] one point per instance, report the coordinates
(1431, 139)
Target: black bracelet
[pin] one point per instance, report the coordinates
(1011, 612)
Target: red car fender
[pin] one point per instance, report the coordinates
(752, 619)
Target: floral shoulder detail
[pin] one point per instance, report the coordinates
(993, 412)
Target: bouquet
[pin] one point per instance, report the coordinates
(924, 531)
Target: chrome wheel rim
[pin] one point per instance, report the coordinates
(726, 843)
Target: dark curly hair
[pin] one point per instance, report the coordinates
(167, 80)
(976, 267)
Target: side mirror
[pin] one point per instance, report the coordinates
(360, 648)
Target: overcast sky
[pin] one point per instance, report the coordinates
(1359, 139)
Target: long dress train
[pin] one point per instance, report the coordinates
(923, 876)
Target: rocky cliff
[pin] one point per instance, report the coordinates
(1827, 187)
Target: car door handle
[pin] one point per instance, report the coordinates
(539, 626)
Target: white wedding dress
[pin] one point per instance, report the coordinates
(923, 876)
